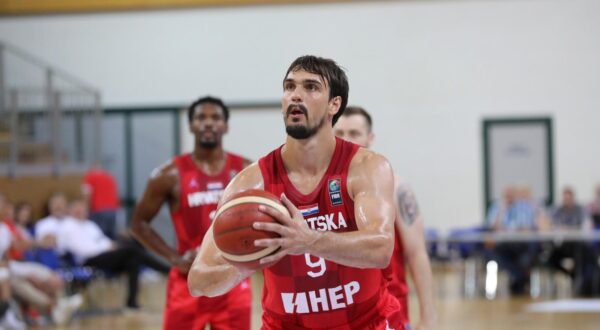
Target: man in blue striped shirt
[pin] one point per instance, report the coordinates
(516, 212)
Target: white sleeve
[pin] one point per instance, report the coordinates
(104, 243)
(44, 227)
(5, 239)
(85, 241)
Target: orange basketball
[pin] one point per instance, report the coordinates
(233, 232)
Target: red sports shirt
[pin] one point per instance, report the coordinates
(199, 194)
(13, 253)
(305, 291)
(104, 190)
(396, 275)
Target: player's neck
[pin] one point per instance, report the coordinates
(309, 156)
(209, 160)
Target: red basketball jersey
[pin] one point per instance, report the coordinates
(305, 291)
(396, 276)
(199, 194)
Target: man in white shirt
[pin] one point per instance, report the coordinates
(47, 229)
(90, 247)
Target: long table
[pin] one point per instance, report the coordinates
(446, 243)
(553, 236)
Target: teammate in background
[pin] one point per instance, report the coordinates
(356, 126)
(327, 273)
(192, 185)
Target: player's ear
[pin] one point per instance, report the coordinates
(226, 130)
(370, 139)
(334, 105)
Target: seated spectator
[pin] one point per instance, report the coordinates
(24, 217)
(517, 212)
(4, 272)
(594, 209)
(570, 216)
(47, 229)
(540, 214)
(27, 248)
(8, 319)
(5, 241)
(22, 240)
(514, 213)
(34, 284)
(90, 247)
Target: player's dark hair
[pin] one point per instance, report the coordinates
(211, 100)
(354, 110)
(330, 72)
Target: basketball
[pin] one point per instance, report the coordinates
(233, 232)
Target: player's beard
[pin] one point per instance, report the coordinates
(208, 138)
(209, 144)
(301, 132)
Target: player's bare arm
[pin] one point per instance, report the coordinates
(370, 184)
(410, 225)
(210, 275)
(160, 188)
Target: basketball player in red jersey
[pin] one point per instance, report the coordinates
(327, 273)
(192, 185)
(356, 125)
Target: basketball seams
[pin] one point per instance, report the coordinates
(226, 232)
(250, 200)
(248, 257)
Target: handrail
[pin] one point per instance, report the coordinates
(46, 66)
(78, 94)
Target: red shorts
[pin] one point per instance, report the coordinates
(389, 317)
(229, 311)
(404, 305)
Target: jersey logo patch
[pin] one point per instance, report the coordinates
(334, 188)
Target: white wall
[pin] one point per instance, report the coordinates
(429, 71)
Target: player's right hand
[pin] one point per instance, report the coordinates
(295, 235)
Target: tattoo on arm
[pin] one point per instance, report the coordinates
(407, 204)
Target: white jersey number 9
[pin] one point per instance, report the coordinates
(320, 263)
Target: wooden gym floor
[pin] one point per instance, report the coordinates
(454, 311)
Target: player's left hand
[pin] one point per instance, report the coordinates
(296, 237)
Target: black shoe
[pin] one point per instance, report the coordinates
(517, 288)
(133, 305)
